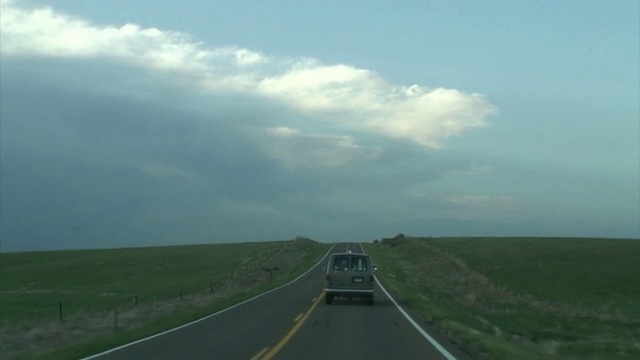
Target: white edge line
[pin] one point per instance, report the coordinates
(433, 341)
(207, 316)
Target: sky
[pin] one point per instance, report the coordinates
(150, 123)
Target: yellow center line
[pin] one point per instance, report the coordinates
(292, 332)
(258, 355)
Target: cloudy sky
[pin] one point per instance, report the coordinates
(135, 123)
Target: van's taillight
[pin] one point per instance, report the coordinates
(371, 278)
(328, 277)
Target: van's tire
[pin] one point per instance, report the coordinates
(328, 299)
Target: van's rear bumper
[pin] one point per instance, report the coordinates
(347, 292)
(337, 290)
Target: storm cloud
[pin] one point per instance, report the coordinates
(120, 135)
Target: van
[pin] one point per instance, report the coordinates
(349, 276)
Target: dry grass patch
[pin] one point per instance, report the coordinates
(243, 271)
(493, 295)
(448, 274)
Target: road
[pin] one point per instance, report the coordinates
(293, 322)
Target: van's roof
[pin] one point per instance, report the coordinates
(349, 253)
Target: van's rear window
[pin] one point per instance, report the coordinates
(349, 263)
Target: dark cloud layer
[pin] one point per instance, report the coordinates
(131, 136)
(83, 166)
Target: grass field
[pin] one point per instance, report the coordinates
(113, 296)
(524, 298)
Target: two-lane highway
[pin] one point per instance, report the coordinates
(293, 322)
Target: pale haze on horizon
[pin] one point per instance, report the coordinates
(147, 123)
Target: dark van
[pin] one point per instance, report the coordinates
(349, 276)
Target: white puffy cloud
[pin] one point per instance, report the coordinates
(428, 116)
(339, 88)
(41, 31)
(363, 100)
(295, 148)
(357, 100)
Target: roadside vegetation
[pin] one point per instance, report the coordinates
(521, 298)
(69, 304)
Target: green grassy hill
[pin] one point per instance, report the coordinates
(524, 298)
(109, 297)
(503, 298)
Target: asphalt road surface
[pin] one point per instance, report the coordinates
(293, 322)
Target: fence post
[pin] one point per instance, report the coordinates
(115, 321)
(60, 311)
